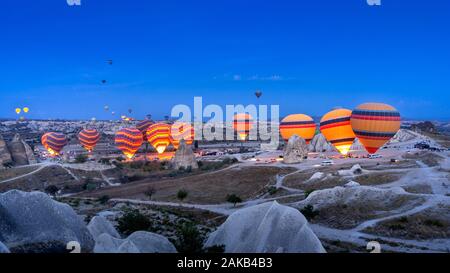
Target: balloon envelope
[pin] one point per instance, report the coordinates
(336, 128)
(375, 124)
(179, 131)
(143, 126)
(300, 125)
(54, 142)
(242, 124)
(18, 110)
(158, 135)
(26, 109)
(89, 138)
(129, 140)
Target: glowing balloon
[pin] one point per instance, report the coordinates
(26, 110)
(336, 128)
(375, 124)
(106, 108)
(89, 138)
(300, 125)
(129, 140)
(242, 124)
(54, 142)
(158, 135)
(18, 110)
(143, 126)
(179, 131)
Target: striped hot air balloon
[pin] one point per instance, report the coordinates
(143, 126)
(54, 142)
(242, 124)
(179, 131)
(298, 124)
(129, 140)
(375, 124)
(158, 135)
(89, 138)
(336, 128)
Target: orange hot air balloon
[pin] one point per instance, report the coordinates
(143, 126)
(129, 140)
(375, 124)
(89, 138)
(18, 110)
(242, 124)
(298, 124)
(54, 142)
(336, 128)
(158, 135)
(179, 131)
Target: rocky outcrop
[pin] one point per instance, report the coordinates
(319, 144)
(100, 225)
(34, 223)
(5, 156)
(266, 228)
(402, 136)
(138, 242)
(296, 150)
(424, 127)
(184, 157)
(3, 248)
(354, 170)
(357, 146)
(21, 152)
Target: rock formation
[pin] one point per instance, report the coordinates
(319, 144)
(5, 156)
(138, 242)
(296, 150)
(3, 248)
(403, 136)
(21, 152)
(354, 170)
(99, 225)
(184, 157)
(357, 146)
(266, 228)
(35, 223)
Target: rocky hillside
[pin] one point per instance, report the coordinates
(17, 152)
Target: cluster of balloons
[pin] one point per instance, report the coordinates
(374, 124)
(25, 110)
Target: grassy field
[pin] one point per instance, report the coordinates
(14, 172)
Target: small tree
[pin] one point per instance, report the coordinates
(189, 239)
(81, 158)
(103, 199)
(150, 192)
(182, 194)
(52, 189)
(132, 221)
(234, 199)
(309, 212)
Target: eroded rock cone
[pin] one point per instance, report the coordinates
(21, 152)
(184, 157)
(319, 144)
(296, 150)
(5, 156)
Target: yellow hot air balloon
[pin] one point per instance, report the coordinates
(375, 124)
(158, 135)
(336, 128)
(242, 124)
(298, 124)
(26, 109)
(18, 110)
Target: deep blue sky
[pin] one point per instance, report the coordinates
(307, 56)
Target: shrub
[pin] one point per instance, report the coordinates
(182, 194)
(81, 158)
(234, 199)
(150, 192)
(106, 161)
(133, 221)
(103, 199)
(435, 223)
(189, 239)
(52, 189)
(215, 249)
(309, 212)
(272, 190)
(308, 192)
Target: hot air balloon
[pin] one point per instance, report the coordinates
(143, 126)
(179, 131)
(158, 135)
(110, 62)
(375, 124)
(298, 124)
(242, 124)
(18, 110)
(106, 108)
(336, 128)
(26, 110)
(130, 111)
(103, 81)
(89, 138)
(54, 142)
(129, 140)
(258, 94)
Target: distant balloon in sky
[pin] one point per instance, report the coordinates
(336, 128)
(258, 94)
(242, 124)
(103, 81)
(18, 110)
(54, 142)
(26, 109)
(113, 113)
(300, 125)
(375, 124)
(129, 140)
(93, 119)
(130, 111)
(89, 139)
(106, 108)
(158, 135)
(179, 131)
(110, 62)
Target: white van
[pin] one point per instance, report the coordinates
(327, 163)
(374, 156)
